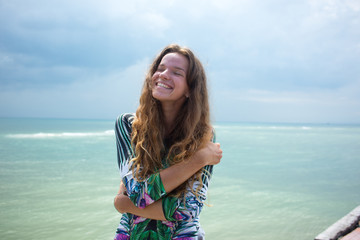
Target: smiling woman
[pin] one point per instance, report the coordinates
(165, 152)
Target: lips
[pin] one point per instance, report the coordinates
(163, 85)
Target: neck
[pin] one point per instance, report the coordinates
(170, 111)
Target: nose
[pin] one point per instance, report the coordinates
(164, 75)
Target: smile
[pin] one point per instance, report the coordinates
(159, 84)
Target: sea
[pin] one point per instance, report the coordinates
(58, 178)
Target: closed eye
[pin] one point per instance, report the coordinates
(178, 73)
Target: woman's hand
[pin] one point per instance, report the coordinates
(122, 189)
(210, 154)
(121, 200)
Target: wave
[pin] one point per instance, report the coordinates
(42, 135)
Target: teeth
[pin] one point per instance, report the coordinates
(163, 85)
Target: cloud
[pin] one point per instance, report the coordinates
(99, 96)
(274, 54)
(81, 33)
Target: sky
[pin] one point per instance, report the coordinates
(266, 61)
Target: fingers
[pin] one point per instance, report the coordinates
(211, 153)
(218, 152)
(122, 188)
(218, 148)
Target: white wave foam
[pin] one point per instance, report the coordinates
(61, 135)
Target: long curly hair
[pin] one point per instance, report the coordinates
(192, 125)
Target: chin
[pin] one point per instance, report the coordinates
(157, 97)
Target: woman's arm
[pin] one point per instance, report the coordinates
(174, 176)
(171, 208)
(168, 208)
(157, 185)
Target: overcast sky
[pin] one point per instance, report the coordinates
(267, 61)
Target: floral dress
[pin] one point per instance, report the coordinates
(182, 218)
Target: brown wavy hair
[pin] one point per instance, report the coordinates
(192, 125)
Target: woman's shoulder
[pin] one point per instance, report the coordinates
(125, 120)
(126, 117)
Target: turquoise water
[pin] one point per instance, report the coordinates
(275, 181)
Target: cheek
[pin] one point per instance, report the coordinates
(153, 79)
(155, 76)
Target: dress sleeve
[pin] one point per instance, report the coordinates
(175, 209)
(140, 193)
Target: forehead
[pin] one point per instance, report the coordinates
(175, 60)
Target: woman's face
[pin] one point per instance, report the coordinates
(169, 81)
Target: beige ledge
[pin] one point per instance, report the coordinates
(342, 227)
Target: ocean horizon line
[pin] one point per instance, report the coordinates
(329, 123)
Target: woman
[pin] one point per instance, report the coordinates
(165, 152)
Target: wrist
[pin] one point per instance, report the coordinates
(198, 160)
